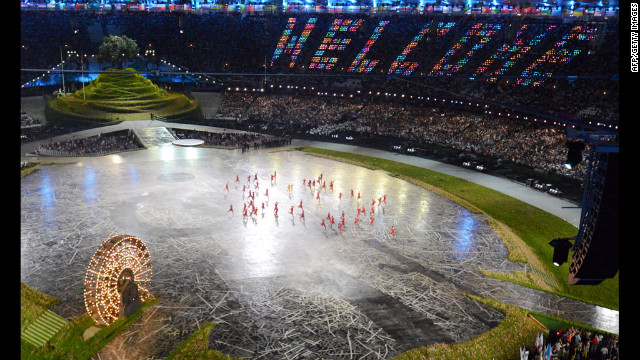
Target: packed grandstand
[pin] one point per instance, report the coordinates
(502, 85)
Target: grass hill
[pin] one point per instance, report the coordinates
(115, 97)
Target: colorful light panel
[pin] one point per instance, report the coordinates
(559, 54)
(399, 66)
(331, 43)
(362, 65)
(507, 55)
(292, 45)
(480, 32)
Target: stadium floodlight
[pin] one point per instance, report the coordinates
(561, 248)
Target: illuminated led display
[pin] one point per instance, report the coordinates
(292, 45)
(401, 67)
(362, 65)
(330, 42)
(508, 55)
(479, 35)
(562, 52)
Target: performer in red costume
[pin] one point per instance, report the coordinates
(393, 232)
(230, 208)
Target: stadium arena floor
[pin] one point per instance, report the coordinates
(277, 287)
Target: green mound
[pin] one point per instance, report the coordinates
(114, 97)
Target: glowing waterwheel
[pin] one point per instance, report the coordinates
(119, 273)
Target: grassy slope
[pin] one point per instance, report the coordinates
(68, 342)
(516, 330)
(130, 96)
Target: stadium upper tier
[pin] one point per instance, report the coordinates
(491, 56)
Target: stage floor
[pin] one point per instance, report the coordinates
(276, 286)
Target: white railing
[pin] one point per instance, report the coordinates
(62, 153)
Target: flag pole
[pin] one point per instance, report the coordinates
(62, 68)
(82, 72)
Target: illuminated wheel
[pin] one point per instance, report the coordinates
(122, 261)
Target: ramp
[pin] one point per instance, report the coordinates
(154, 136)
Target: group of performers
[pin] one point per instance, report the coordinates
(251, 208)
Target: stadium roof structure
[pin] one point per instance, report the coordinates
(515, 3)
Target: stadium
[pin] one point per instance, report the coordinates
(320, 179)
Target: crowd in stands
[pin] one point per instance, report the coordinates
(236, 140)
(224, 42)
(90, 146)
(227, 42)
(538, 146)
(27, 120)
(577, 344)
(37, 133)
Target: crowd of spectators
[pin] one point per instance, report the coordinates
(91, 146)
(577, 344)
(27, 120)
(45, 131)
(228, 42)
(538, 146)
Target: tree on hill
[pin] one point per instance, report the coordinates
(116, 49)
